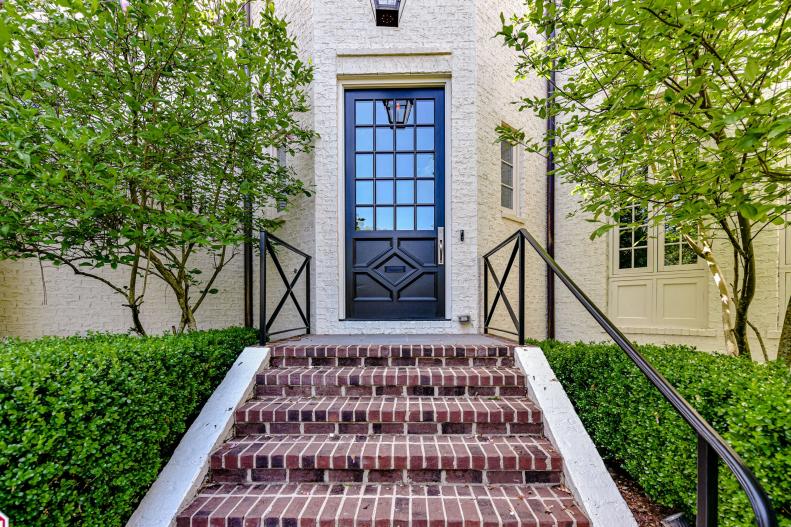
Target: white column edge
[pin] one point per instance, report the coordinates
(185, 472)
(584, 472)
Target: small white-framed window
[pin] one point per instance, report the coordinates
(510, 183)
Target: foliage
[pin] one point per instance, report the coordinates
(132, 133)
(679, 108)
(633, 426)
(86, 424)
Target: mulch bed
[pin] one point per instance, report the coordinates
(646, 512)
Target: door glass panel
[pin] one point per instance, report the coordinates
(364, 219)
(425, 218)
(405, 192)
(365, 139)
(384, 165)
(384, 218)
(405, 218)
(425, 191)
(365, 192)
(364, 166)
(425, 138)
(405, 138)
(405, 165)
(381, 113)
(364, 112)
(425, 112)
(425, 165)
(384, 192)
(384, 139)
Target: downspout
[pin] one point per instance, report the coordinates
(248, 226)
(550, 205)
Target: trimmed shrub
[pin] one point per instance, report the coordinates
(86, 424)
(634, 427)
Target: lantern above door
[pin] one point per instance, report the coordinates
(387, 12)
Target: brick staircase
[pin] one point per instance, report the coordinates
(384, 435)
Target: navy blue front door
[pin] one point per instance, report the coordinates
(395, 204)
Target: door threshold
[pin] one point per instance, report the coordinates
(395, 320)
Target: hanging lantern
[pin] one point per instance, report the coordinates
(387, 12)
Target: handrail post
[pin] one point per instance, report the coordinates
(707, 484)
(485, 296)
(307, 295)
(262, 334)
(521, 241)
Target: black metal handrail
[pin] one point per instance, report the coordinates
(711, 446)
(267, 243)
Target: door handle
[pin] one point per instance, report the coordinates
(440, 245)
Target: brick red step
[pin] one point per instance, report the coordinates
(387, 458)
(382, 505)
(421, 381)
(388, 415)
(391, 355)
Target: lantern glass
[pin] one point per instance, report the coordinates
(398, 111)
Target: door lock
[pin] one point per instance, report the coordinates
(440, 245)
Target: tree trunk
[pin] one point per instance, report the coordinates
(137, 324)
(747, 292)
(784, 347)
(703, 249)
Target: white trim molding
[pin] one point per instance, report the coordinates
(179, 481)
(584, 473)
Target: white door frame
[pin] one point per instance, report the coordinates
(383, 82)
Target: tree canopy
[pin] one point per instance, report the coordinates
(133, 132)
(679, 108)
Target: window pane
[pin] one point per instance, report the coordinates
(425, 218)
(384, 165)
(641, 257)
(688, 256)
(405, 165)
(425, 165)
(624, 259)
(405, 192)
(405, 138)
(671, 254)
(364, 219)
(384, 139)
(641, 237)
(507, 174)
(364, 166)
(425, 138)
(365, 192)
(384, 192)
(625, 238)
(425, 191)
(364, 139)
(384, 218)
(507, 197)
(507, 152)
(364, 112)
(405, 218)
(640, 215)
(425, 112)
(381, 113)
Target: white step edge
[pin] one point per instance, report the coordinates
(584, 473)
(182, 477)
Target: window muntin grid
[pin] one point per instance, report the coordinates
(395, 167)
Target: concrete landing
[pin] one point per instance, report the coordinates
(461, 339)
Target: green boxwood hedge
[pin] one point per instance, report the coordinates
(634, 427)
(86, 424)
